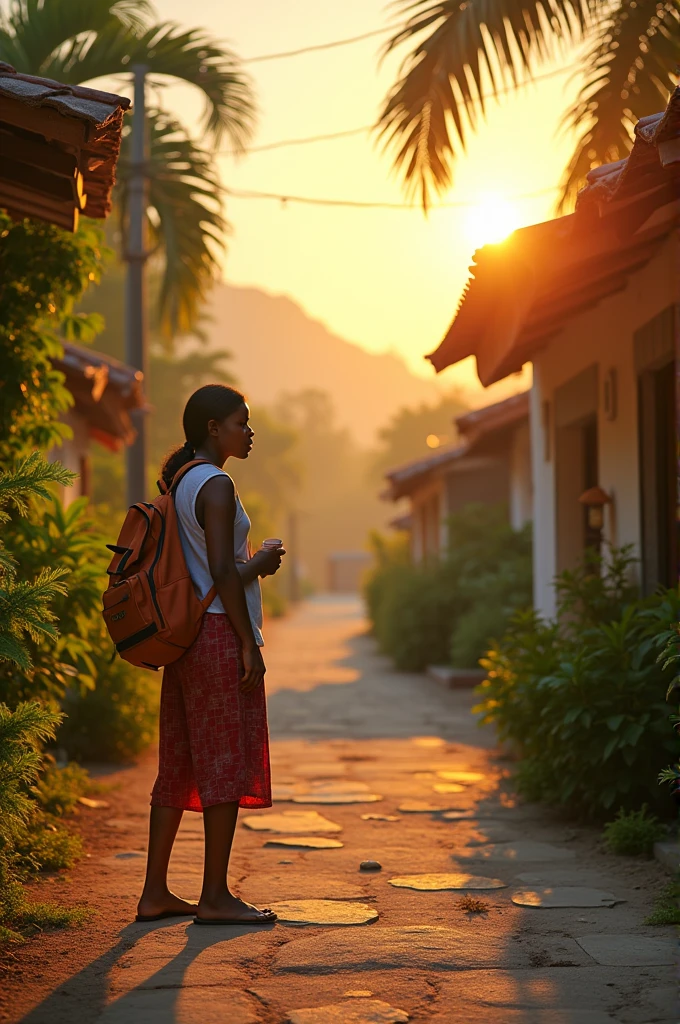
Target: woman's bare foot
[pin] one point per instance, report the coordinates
(227, 907)
(164, 902)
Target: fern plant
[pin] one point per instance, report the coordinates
(25, 605)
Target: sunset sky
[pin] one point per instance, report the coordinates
(385, 279)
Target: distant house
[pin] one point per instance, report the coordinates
(104, 393)
(592, 300)
(490, 464)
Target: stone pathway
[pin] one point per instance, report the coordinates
(483, 910)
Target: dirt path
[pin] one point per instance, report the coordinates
(343, 722)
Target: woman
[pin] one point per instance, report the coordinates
(214, 752)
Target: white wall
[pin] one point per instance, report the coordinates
(521, 486)
(428, 521)
(603, 335)
(71, 453)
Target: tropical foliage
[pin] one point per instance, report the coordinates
(52, 643)
(581, 698)
(455, 48)
(445, 612)
(77, 41)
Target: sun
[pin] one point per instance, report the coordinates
(491, 219)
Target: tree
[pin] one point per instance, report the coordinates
(405, 437)
(75, 41)
(628, 72)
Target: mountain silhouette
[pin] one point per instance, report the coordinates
(277, 347)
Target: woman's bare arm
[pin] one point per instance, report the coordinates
(263, 563)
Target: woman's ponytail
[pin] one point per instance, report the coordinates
(211, 402)
(175, 459)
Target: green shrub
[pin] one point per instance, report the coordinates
(30, 840)
(57, 789)
(666, 906)
(117, 720)
(447, 611)
(580, 698)
(633, 833)
(44, 845)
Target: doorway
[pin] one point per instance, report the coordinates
(658, 476)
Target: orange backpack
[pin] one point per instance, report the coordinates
(150, 606)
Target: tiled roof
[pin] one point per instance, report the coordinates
(104, 391)
(479, 423)
(650, 166)
(474, 427)
(59, 145)
(522, 291)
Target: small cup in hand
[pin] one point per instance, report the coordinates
(271, 543)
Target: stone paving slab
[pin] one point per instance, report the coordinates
(426, 947)
(305, 843)
(438, 882)
(525, 851)
(369, 1011)
(291, 822)
(324, 912)
(562, 897)
(337, 798)
(630, 950)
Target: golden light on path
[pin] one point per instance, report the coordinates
(491, 219)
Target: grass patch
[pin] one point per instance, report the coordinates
(43, 845)
(666, 906)
(473, 905)
(21, 917)
(633, 833)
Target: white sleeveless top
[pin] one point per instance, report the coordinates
(192, 539)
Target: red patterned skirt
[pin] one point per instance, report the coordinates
(214, 743)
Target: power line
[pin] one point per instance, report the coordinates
(303, 141)
(317, 46)
(306, 140)
(360, 205)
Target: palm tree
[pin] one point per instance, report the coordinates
(75, 41)
(629, 70)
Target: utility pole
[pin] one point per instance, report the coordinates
(292, 548)
(135, 296)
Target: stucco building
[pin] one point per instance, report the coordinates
(491, 463)
(592, 301)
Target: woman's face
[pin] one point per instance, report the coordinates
(233, 435)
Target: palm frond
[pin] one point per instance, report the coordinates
(630, 71)
(37, 37)
(185, 210)
(165, 49)
(439, 89)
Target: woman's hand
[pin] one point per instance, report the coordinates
(254, 669)
(269, 560)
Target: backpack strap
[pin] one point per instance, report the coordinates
(182, 471)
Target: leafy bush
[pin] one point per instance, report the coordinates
(580, 698)
(666, 906)
(117, 719)
(447, 611)
(29, 838)
(633, 833)
(412, 608)
(57, 790)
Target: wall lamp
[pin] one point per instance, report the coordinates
(595, 500)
